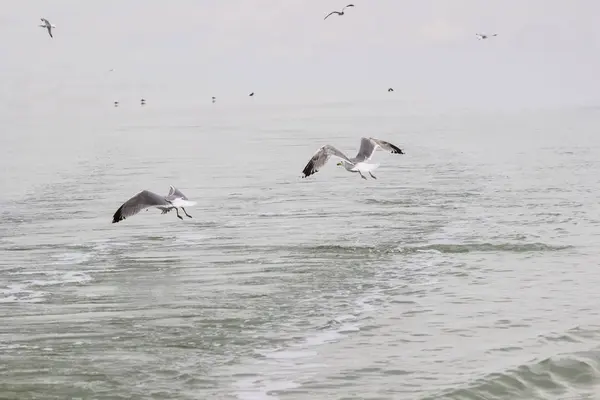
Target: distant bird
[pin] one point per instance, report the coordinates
(481, 36)
(214, 99)
(116, 104)
(143, 101)
(340, 13)
(48, 26)
(251, 94)
(146, 199)
(390, 90)
(357, 164)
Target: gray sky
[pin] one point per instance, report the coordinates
(188, 50)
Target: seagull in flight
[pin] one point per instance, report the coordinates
(146, 199)
(48, 26)
(390, 90)
(340, 13)
(481, 36)
(357, 164)
(251, 94)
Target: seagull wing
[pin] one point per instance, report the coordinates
(369, 145)
(349, 5)
(333, 12)
(387, 146)
(320, 158)
(175, 193)
(137, 203)
(49, 31)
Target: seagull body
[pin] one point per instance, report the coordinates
(251, 94)
(146, 199)
(358, 164)
(481, 36)
(390, 90)
(340, 13)
(46, 24)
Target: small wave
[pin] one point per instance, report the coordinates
(548, 378)
(389, 248)
(487, 247)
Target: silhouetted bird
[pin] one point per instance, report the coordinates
(340, 13)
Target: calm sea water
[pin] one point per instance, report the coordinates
(468, 270)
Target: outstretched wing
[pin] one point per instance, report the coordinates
(320, 158)
(49, 31)
(333, 12)
(349, 5)
(137, 203)
(369, 145)
(175, 193)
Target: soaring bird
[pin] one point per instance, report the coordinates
(357, 164)
(390, 90)
(48, 26)
(251, 94)
(481, 36)
(340, 13)
(146, 199)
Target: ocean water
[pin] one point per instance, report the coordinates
(467, 270)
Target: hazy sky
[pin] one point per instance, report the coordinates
(546, 52)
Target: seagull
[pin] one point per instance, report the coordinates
(340, 13)
(390, 90)
(251, 94)
(146, 199)
(48, 26)
(214, 99)
(357, 164)
(481, 36)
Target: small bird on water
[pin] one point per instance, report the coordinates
(481, 36)
(46, 24)
(340, 13)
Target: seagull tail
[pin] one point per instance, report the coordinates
(366, 167)
(183, 203)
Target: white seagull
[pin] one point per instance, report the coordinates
(481, 36)
(146, 199)
(340, 13)
(357, 164)
(48, 26)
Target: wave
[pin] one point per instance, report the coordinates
(553, 377)
(391, 248)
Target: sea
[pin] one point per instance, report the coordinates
(467, 270)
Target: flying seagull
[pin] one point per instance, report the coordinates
(340, 13)
(251, 94)
(390, 90)
(357, 164)
(146, 199)
(214, 99)
(48, 26)
(481, 36)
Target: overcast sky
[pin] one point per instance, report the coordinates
(546, 52)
